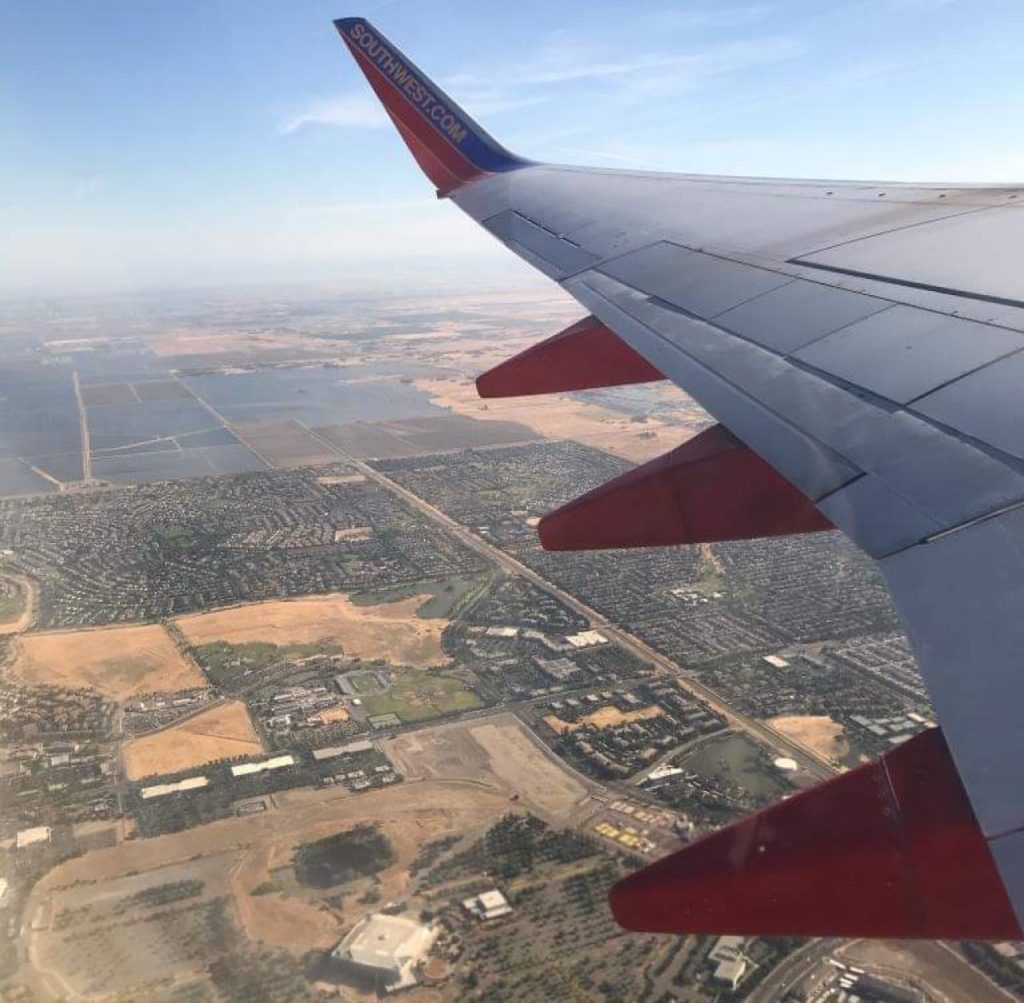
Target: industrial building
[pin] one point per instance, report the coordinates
(386, 948)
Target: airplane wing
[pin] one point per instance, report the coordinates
(861, 346)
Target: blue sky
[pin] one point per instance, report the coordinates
(151, 143)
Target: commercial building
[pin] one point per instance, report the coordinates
(333, 751)
(159, 790)
(277, 763)
(386, 948)
(728, 961)
(487, 905)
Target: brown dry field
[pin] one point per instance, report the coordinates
(569, 418)
(220, 733)
(333, 714)
(194, 341)
(283, 443)
(605, 717)
(819, 734)
(259, 848)
(119, 662)
(391, 631)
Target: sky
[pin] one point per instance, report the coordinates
(156, 144)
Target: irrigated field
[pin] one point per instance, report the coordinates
(221, 733)
(119, 662)
(391, 631)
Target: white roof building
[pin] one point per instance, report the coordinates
(730, 973)
(29, 837)
(159, 790)
(487, 905)
(727, 957)
(389, 947)
(586, 639)
(244, 769)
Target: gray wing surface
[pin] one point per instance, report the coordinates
(867, 341)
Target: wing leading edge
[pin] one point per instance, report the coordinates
(860, 342)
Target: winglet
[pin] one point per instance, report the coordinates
(448, 145)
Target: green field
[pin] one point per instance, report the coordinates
(12, 602)
(420, 696)
(223, 661)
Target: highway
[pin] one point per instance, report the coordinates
(816, 766)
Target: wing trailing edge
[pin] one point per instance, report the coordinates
(890, 849)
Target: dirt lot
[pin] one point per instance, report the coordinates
(819, 734)
(119, 662)
(248, 861)
(571, 418)
(494, 752)
(220, 733)
(391, 631)
(284, 443)
(606, 717)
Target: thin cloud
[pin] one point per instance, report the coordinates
(563, 59)
(360, 208)
(352, 109)
(85, 187)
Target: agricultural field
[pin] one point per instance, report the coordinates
(118, 662)
(223, 732)
(284, 443)
(568, 417)
(389, 631)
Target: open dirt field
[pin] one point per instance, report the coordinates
(569, 418)
(119, 662)
(605, 717)
(391, 631)
(220, 733)
(495, 752)
(819, 734)
(248, 862)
